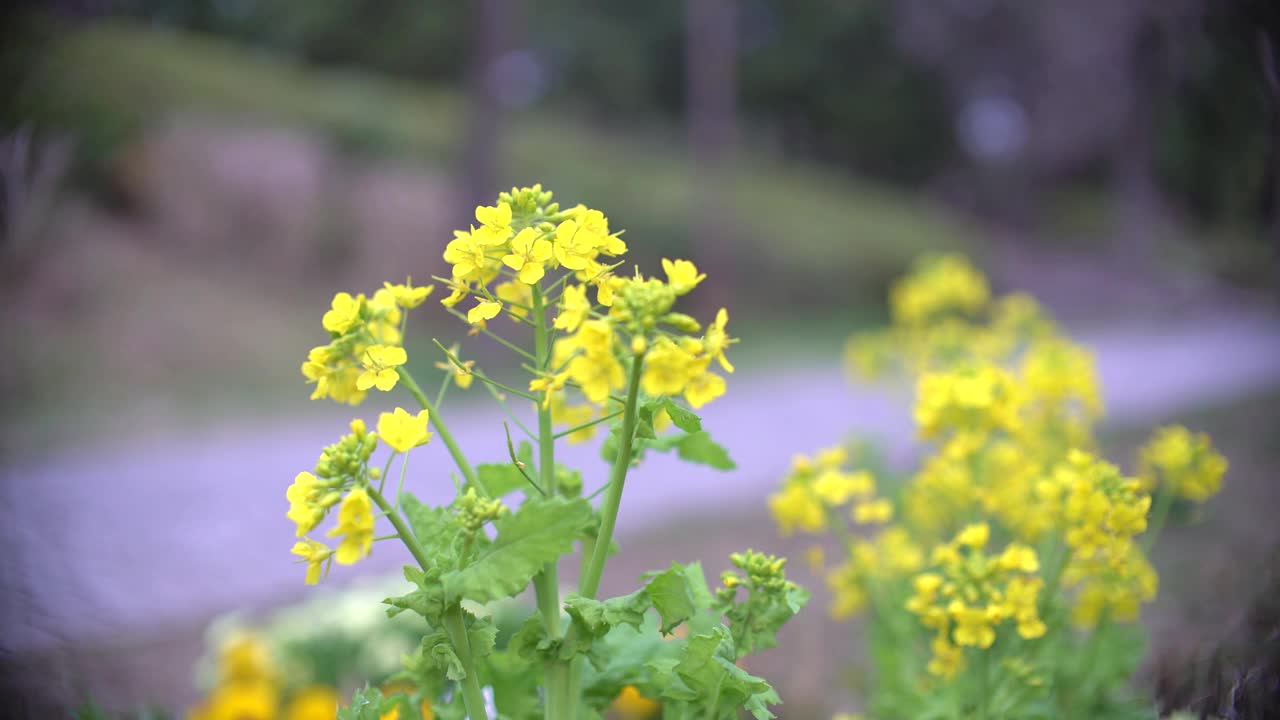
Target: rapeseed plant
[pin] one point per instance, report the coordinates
(609, 348)
(1004, 577)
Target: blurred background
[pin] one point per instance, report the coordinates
(187, 182)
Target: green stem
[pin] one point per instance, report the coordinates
(546, 584)
(590, 581)
(586, 425)
(464, 467)
(406, 534)
(456, 627)
(984, 681)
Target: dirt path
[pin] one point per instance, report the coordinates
(107, 543)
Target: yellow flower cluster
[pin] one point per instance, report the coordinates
(509, 262)
(939, 286)
(968, 399)
(891, 554)
(1011, 404)
(522, 237)
(1183, 460)
(1099, 510)
(364, 347)
(818, 485)
(339, 478)
(967, 594)
(249, 686)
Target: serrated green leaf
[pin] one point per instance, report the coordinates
(596, 617)
(672, 597)
(435, 652)
(427, 600)
(683, 418)
(436, 530)
(482, 635)
(699, 448)
(539, 532)
(706, 670)
(756, 623)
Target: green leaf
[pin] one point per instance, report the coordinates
(677, 593)
(482, 635)
(515, 681)
(595, 618)
(435, 652)
(644, 431)
(436, 530)
(366, 704)
(699, 448)
(501, 479)
(755, 623)
(427, 600)
(539, 532)
(682, 417)
(706, 673)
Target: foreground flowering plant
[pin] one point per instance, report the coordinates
(1004, 578)
(608, 349)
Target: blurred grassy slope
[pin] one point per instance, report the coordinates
(106, 81)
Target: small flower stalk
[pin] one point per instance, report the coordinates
(1004, 576)
(609, 348)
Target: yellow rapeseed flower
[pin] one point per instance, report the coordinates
(528, 253)
(380, 363)
(344, 313)
(574, 308)
(682, 275)
(408, 296)
(355, 525)
(403, 431)
(484, 310)
(873, 512)
(317, 556)
(304, 502)
(795, 507)
(495, 224)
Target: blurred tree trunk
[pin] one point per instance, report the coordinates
(489, 32)
(1269, 58)
(711, 67)
(1139, 208)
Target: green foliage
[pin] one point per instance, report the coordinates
(677, 593)
(538, 533)
(698, 447)
(367, 704)
(706, 679)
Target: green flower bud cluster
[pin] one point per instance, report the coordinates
(529, 201)
(641, 304)
(764, 572)
(347, 458)
(474, 511)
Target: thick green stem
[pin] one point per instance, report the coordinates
(456, 627)
(402, 529)
(590, 581)
(546, 584)
(464, 467)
